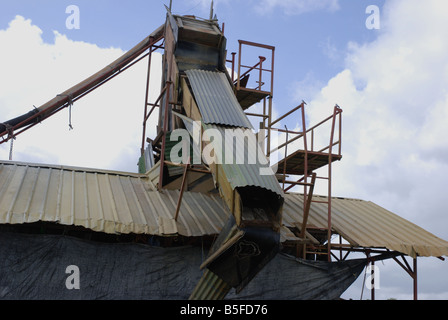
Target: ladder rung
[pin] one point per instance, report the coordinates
(312, 252)
(319, 201)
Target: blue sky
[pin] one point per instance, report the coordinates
(308, 45)
(391, 83)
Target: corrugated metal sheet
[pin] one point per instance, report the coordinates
(244, 174)
(365, 224)
(106, 201)
(216, 100)
(120, 202)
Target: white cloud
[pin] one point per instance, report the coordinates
(330, 50)
(106, 122)
(296, 7)
(394, 122)
(394, 96)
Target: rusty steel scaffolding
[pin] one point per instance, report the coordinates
(311, 159)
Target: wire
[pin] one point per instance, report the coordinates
(192, 8)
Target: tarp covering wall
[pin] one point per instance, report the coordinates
(35, 267)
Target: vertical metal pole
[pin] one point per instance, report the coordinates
(148, 76)
(233, 67)
(330, 160)
(164, 131)
(272, 72)
(286, 154)
(268, 154)
(305, 147)
(182, 188)
(260, 76)
(340, 248)
(239, 66)
(415, 278)
(340, 132)
(270, 106)
(372, 273)
(307, 206)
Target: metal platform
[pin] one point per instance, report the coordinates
(295, 162)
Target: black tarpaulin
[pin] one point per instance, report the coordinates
(35, 267)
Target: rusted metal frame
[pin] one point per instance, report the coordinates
(335, 256)
(288, 113)
(270, 100)
(372, 273)
(284, 144)
(284, 163)
(268, 142)
(283, 130)
(255, 66)
(320, 201)
(337, 113)
(405, 265)
(148, 78)
(328, 147)
(260, 81)
(312, 140)
(250, 68)
(182, 188)
(164, 132)
(255, 44)
(346, 254)
(305, 168)
(298, 182)
(415, 280)
(309, 160)
(329, 180)
(411, 271)
(307, 206)
(233, 66)
(256, 115)
(239, 66)
(321, 122)
(146, 116)
(340, 133)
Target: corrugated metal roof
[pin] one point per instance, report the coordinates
(216, 100)
(247, 173)
(365, 224)
(120, 202)
(106, 201)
